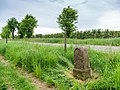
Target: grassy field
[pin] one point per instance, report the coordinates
(109, 42)
(54, 67)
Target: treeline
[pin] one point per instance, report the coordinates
(94, 33)
(56, 35)
(25, 27)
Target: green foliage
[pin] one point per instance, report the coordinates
(11, 79)
(12, 24)
(107, 64)
(27, 25)
(107, 42)
(38, 35)
(56, 35)
(67, 20)
(76, 86)
(87, 34)
(51, 65)
(5, 32)
(106, 34)
(2, 84)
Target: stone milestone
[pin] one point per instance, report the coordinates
(82, 68)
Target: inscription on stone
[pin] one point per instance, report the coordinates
(82, 68)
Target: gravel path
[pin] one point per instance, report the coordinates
(94, 47)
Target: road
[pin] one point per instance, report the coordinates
(94, 47)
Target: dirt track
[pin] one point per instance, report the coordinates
(40, 85)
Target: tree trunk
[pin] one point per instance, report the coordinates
(65, 41)
(13, 35)
(6, 38)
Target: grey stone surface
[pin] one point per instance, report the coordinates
(82, 68)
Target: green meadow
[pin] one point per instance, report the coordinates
(50, 64)
(106, 42)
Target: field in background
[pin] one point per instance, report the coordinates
(54, 67)
(109, 42)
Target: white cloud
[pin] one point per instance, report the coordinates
(0, 37)
(110, 19)
(1, 25)
(45, 30)
(92, 14)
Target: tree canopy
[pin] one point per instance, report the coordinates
(27, 25)
(12, 25)
(67, 20)
(5, 32)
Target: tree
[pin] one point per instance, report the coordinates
(38, 35)
(98, 33)
(21, 30)
(12, 25)
(67, 20)
(94, 33)
(106, 33)
(5, 32)
(27, 25)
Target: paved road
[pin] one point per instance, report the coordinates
(95, 47)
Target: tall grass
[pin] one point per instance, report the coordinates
(109, 42)
(51, 65)
(10, 79)
(2, 84)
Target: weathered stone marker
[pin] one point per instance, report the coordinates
(82, 68)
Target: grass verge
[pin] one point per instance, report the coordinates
(51, 65)
(108, 42)
(11, 80)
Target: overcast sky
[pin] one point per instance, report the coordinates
(92, 13)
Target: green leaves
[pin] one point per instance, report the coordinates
(5, 32)
(67, 20)
(9, 28)
(12, 25)
(27, 26)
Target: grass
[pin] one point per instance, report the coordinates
(2, 84)
(109, 42)
(9, 78)
(51, 65)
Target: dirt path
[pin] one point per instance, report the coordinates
(3, 60)
(40, 85)
(5, 63)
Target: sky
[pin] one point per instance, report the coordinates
(93, 14)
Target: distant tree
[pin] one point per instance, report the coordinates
(27, 25)
(12, 25)
(94, 33)
(38, 35)
(88, 34)
(106, 33)
(5, 32)
(67, 20)
(84, 34)
(118, 32)
(98, 33)
(21, 32)
(78, 34)
(112, 34)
